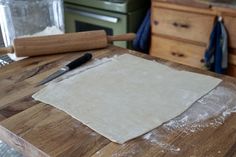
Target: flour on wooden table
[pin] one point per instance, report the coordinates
(210, 111)
(211, 107)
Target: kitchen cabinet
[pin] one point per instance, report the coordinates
(181, 33)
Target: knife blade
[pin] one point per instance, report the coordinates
(72, 65)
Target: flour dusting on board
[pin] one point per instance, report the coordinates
(158, 139)
(215, 112)
(211, 111)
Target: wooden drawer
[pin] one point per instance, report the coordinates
(232, 58)
(178, 51)
(231, 70)
(185, 25)
(230, 24)
(232, 63)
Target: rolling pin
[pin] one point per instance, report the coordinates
(70, 42)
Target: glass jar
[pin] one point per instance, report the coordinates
(30, 18)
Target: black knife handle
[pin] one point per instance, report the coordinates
(78, 62)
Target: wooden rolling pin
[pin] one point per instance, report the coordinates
(71, 42)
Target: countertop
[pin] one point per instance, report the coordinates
(207, 128)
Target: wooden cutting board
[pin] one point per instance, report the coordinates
(37, 129)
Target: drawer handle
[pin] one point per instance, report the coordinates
(176, 24)
(177, 54)
(86, 14)
(156, 22)
(180, 55)
(202, 61)
(173, 53)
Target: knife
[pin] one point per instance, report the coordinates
(72, 65)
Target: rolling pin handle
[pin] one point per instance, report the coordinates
(122, 37)
(5, 50)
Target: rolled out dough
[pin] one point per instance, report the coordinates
(127, 97)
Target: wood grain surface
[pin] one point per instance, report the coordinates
(203, 3)
(37, 129)
(178, 51)
(182, 25)
(61, 43)
(194, 3)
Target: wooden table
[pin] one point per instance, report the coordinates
(208, 128)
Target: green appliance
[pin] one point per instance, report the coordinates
(114, 16)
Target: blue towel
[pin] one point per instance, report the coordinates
(216, 56)
(142, 40)
(224, 47)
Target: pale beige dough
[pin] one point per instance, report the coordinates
(127, 97)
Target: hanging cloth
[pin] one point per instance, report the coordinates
(142, 40)
(216, 55)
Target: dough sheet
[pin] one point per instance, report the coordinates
(127, 97)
